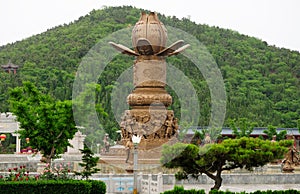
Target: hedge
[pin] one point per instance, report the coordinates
(291, 191)
(180, 190)
(53, 187)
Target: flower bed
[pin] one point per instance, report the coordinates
(54, 180)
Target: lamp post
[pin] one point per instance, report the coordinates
(135, 140)
(98, 148)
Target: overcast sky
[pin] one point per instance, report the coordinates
(274, 21)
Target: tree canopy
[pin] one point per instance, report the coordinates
(213, 159)
(241, 128)
(261, 80)
(272, 132)
(48, 123)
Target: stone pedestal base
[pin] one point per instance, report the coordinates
(155, 125)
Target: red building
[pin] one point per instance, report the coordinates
(10, 67)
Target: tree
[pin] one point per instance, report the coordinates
(214, 158)
(261, 86)
(89, 163)
(49, 124)
(271, 131)
(199, 135)
(244, 130)
(184, 127)
(85, 103)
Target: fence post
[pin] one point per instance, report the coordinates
(139, 181)
(149, 183)
(110, 188)
(159, 182)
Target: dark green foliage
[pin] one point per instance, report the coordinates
(98, 187)
(89, 163)
(48, 123)
(290, 191)
(51, 186)
(180, 190)
(212, 159)
(9, 145)
(241, 128)
(262, 81)
(84, 103)
(271, 131)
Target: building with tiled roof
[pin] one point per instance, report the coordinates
(10, 67)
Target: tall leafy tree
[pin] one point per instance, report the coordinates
(213, 159)
(262, 81)
(49, 124)
(242, 127)
(85, 104)
(271, 131)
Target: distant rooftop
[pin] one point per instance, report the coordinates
(8, 123)
(10, 65)
(257, 131)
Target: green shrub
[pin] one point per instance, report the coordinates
(177, 189)
(256, 192)
(53, 187)
(291, 192)
(98, 187)
(180, 190)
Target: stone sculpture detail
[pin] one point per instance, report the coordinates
(149, 100)
(291, 158)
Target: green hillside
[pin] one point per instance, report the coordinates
(262, 81)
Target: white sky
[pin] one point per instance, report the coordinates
(274, 21)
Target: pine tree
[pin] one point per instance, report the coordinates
(89, 163)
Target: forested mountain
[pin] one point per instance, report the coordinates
(262, 81)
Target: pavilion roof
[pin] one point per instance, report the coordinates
(10, 65)
(8, 123)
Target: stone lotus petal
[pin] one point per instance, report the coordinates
(149, 123)
(149, 37)
(151, 29)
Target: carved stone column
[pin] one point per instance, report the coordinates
(148, 115)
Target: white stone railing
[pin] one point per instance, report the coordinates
(151, 185)
(117, 184)
(147, 184)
